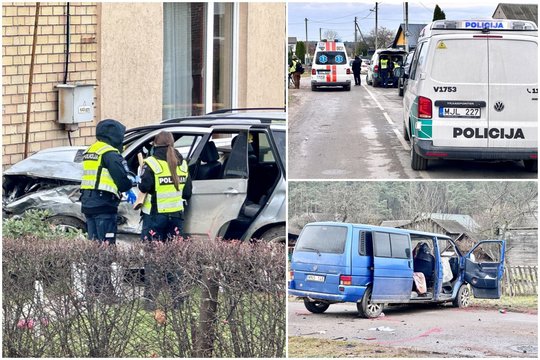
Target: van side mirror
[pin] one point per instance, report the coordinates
(408, 252)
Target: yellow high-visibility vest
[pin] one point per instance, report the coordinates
(168, 199)
(384, 63)
(95, 176)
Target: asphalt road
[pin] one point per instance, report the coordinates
(470, 332)
(358, 134)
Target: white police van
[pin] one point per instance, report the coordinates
(330, 66)
(472, 92)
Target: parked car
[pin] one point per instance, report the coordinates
(402, 73)
(373, 266)
(331, 66)
(472, 93)
(373, 76)
(236, 160)
(364, 67)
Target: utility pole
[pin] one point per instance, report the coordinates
(376, 23)
(406, 33)
(355, 26)
(307, 45)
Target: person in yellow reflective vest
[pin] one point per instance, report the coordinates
(384, 70)
(105, 178)
(165, 179)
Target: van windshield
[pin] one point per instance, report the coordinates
(323, 239)
(331, 58)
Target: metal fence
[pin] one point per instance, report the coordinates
(520, 280)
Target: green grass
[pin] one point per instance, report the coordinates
(301, 347)
(510, 303)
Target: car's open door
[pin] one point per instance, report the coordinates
(216, 202)
(392, 268)
(484, 267)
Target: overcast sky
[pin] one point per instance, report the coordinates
(339, 16)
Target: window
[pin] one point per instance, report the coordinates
(331, 58)
(197, 58)
(400, 246)
(461, 61)
(415, 62)
(265, 153)
(506, 68)
(323, 239)
(382, 245)
(392, 245)
(223, 57)
(365, 246)
(489, 252)
(280, 140)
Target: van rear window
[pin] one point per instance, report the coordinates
(331, 58)
(507, 68)
(323, 239)
(460, 61)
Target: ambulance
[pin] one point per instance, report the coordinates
(472, 92)
(330, 66)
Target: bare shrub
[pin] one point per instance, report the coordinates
(194, 298)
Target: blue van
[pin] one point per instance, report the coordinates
(373, 266)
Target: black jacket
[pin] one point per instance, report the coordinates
(148, 184)
(356, 65)
(103, 202)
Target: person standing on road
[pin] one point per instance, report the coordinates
(384, 70)
(296, 73)
(105, 178)
(166, 182)
(356, 66)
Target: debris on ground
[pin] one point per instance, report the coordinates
(502, 311)
(382, 328)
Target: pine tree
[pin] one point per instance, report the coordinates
(438, 14)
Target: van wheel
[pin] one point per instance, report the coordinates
(400, 91)
(347, 87)
(417, 162)
(367, 81)
(463, 297)
(313, 88)
(316, 307)
(375, 83)
(406, 133)
(531, 165)
(275, 234)
(368, 309)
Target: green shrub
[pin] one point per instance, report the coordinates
(36, 223)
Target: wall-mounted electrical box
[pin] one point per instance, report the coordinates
(75, 103)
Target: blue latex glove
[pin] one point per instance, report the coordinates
(131, 197)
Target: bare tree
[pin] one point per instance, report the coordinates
(331, 35)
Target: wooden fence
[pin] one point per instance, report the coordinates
(520, 280)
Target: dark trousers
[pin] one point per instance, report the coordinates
(384, 76)
(296, 79)
(161, 227)
(102, 227)
(357, 80)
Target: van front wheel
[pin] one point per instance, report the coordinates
(316, 307)
(367, 308)
(463, 297)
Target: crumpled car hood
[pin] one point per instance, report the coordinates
(62, 163)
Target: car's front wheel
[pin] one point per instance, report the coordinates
(67, 223)
(463, 298)
(316, 307)
(367, 308)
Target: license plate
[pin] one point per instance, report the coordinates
(321, 77)
(452, 112)
(318, 278)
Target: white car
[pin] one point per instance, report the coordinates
(364, 66)
(472, 92)
(375, 74)
(330, 66)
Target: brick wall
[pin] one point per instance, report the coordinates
(17, 37)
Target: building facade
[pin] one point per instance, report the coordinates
(148, 62)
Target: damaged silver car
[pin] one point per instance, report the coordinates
(236, 160)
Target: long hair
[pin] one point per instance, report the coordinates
(163, 139)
